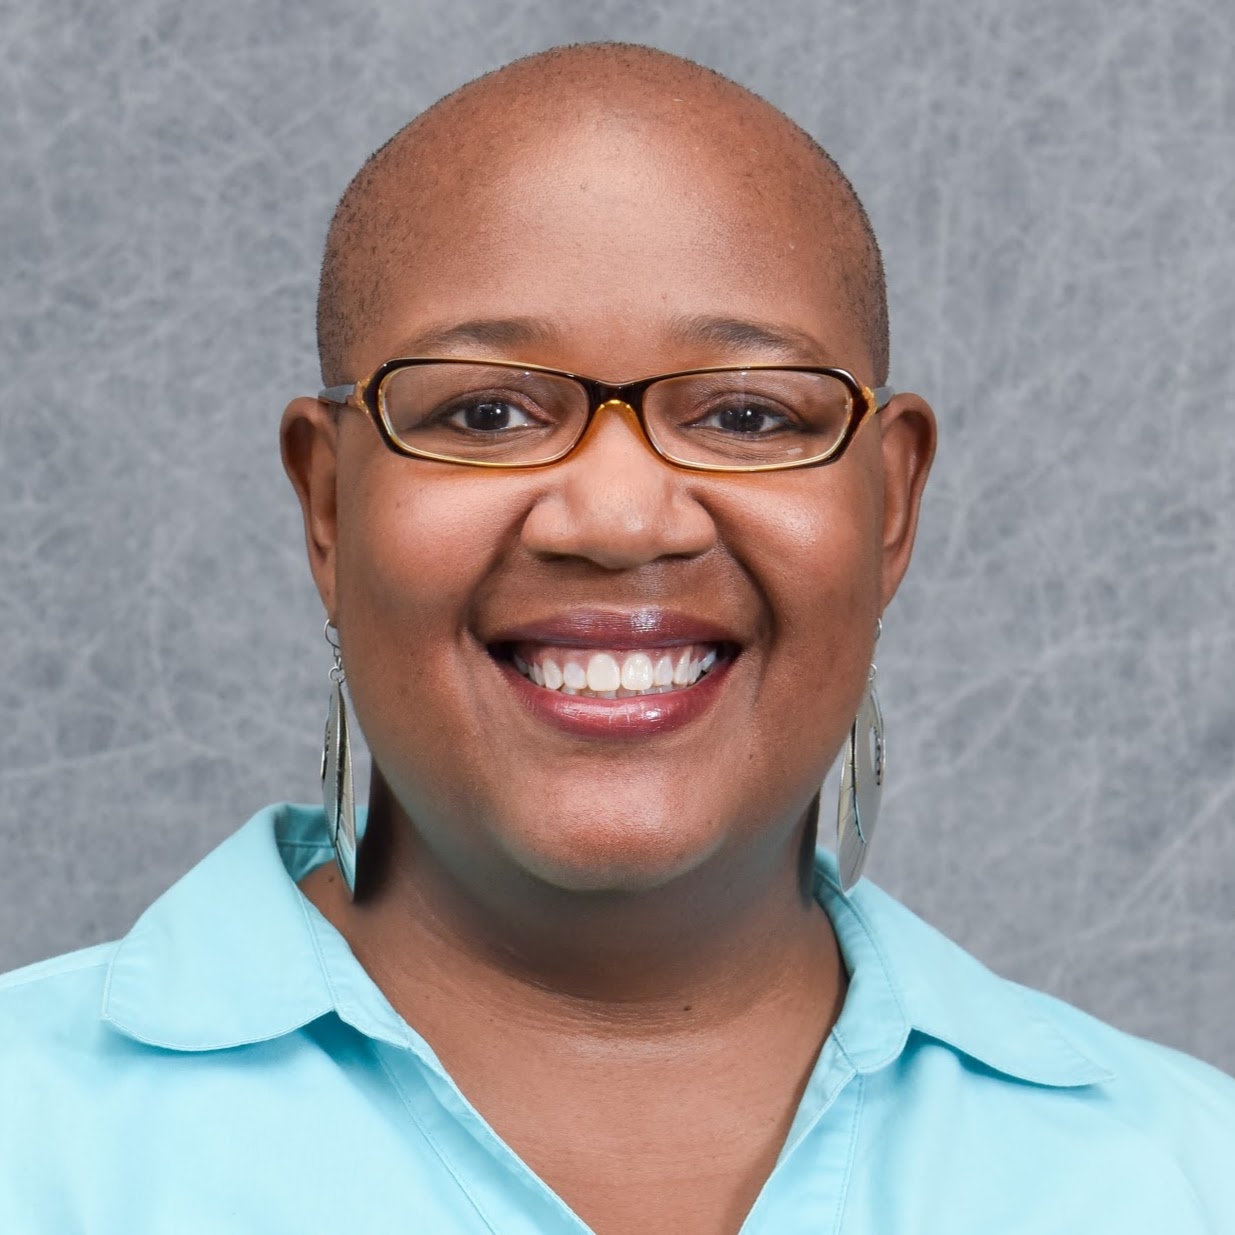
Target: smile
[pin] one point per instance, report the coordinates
(616, 674)
(603, 673)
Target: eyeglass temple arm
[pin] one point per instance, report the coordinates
(343, 394)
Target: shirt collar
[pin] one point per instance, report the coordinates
(234, 954)
(906, 977)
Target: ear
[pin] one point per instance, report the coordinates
(308, 436)
(908, 444)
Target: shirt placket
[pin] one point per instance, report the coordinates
(806, 1192)
(506, 1195)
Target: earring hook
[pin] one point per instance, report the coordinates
(331, 634)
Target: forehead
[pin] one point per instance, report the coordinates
(613, 225)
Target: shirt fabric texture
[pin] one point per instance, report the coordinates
(228, 1066)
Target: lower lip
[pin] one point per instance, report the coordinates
(638, 716)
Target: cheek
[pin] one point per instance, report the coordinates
(816, 539)
(818, 549)
(414, 540)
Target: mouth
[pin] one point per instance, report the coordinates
(615, 673)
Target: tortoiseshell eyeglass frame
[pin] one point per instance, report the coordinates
(366, 395)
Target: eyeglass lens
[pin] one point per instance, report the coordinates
(507, 415)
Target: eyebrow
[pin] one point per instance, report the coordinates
(736, 334)
(498, 334)
(730, 335)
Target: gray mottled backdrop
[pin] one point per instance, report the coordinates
(1054, 184)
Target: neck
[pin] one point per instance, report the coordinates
(673, 1031)
(739, 932)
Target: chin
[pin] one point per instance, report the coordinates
(597, 856)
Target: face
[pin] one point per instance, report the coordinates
(444, 581)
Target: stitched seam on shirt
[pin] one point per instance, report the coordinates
(111, 969)
(889, 969)
(433, 1144)
(1057, 1034)
(840, 1046)
(852, 1155)
(1032, 1014)
(314, 929)
(317, 949)
(11, 984)
(228, 1044)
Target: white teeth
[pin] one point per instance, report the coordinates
(663, 673)
(603, 673)
(616, 674)
(637, 672)
(553, 675)
(681, 670)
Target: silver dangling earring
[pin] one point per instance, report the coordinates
(861, 784)
(337, 795)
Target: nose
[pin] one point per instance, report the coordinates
(616, 503)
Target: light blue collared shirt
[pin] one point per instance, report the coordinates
(229, 1067)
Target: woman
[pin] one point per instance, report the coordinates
(585, 970)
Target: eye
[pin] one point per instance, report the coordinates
(489, 415)
(748, 419)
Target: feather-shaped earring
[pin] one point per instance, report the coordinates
(337, 796)
(861, 785)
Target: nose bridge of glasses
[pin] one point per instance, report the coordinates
(624, 401)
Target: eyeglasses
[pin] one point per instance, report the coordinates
(486, 413)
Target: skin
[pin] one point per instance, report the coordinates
(589, 932)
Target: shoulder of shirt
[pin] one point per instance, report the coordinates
(1169, 1111)
(57, 972)
(1157, 1092)
(1148, 1077)
(54, 1050)
(1179, 1110)
(62, 994)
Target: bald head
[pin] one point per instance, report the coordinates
(426, 187)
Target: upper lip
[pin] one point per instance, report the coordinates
(643, 627)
